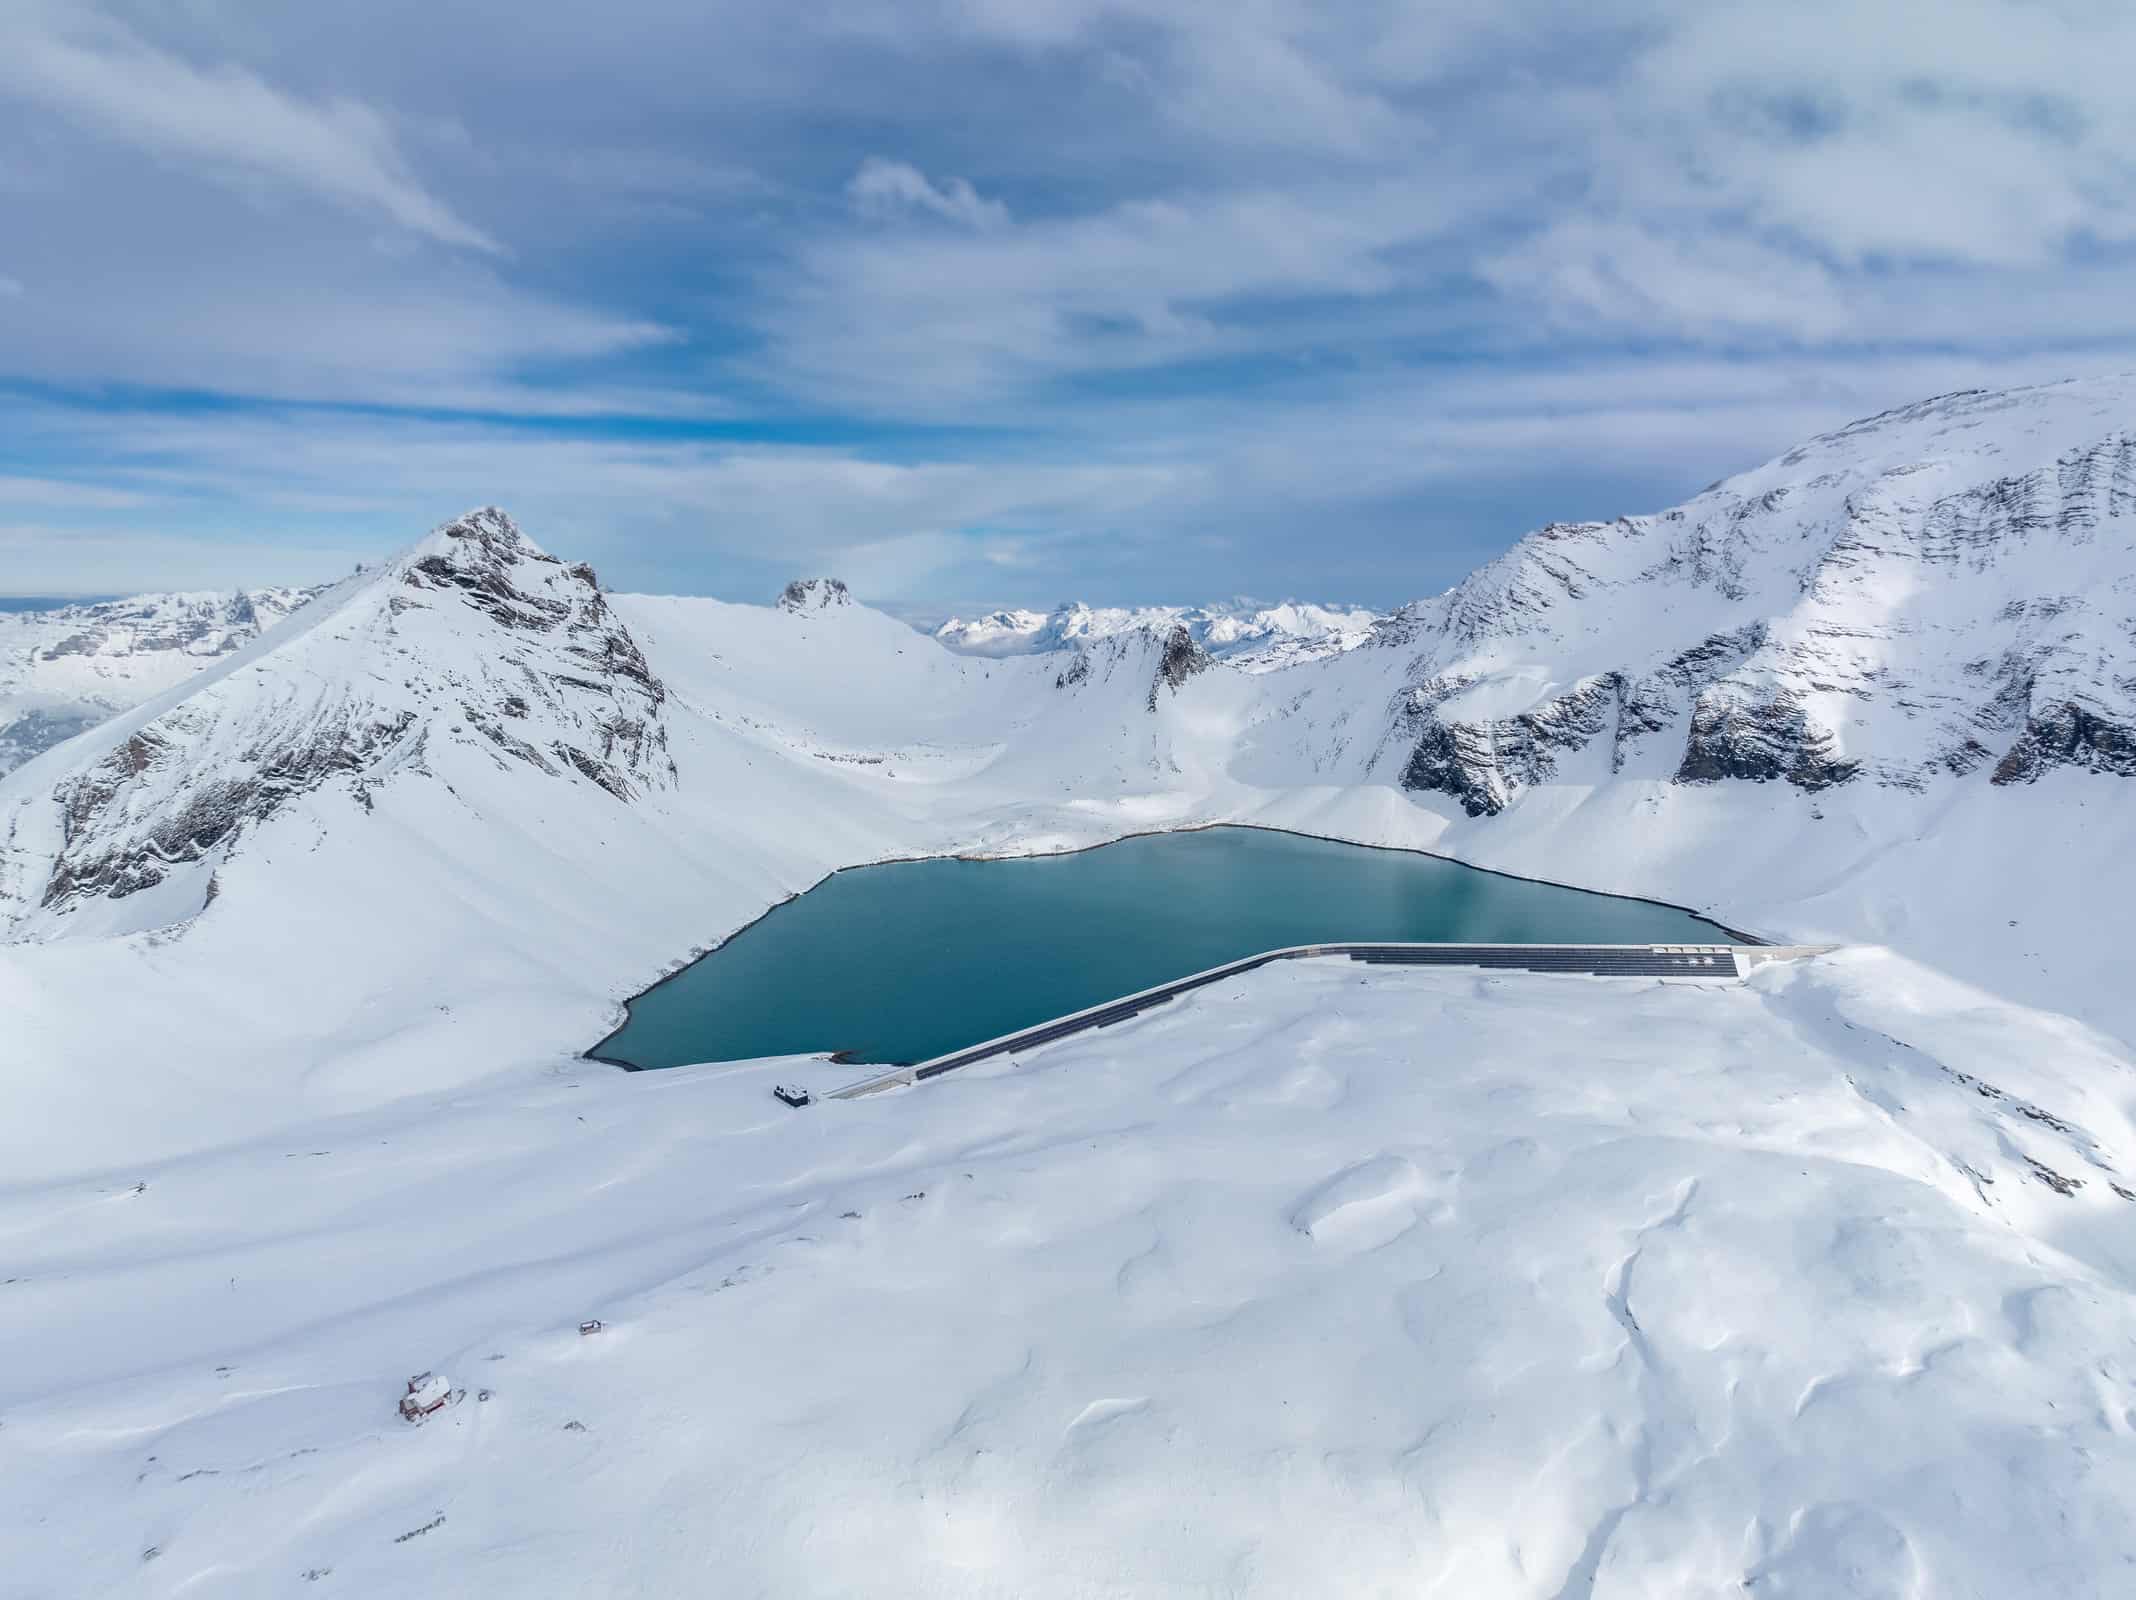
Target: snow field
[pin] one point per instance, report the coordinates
(1339, 1280)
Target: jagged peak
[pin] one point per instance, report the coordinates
(805, 595)
(472, 652)
(497, 569)
(485, 538)
(1183, 657)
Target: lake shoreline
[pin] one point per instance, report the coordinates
(1709, 930)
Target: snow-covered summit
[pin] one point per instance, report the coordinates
(472, 649)
(804, 595)
(1945, 589)
(1242, 633)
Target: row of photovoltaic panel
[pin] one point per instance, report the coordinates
(1079, 1024)
(1594, 962)
(1599, 961)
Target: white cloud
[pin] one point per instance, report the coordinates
(1146, 482)
(1202, 267)
(223, 121)
(59, 492)
(935, 321)
(1989, 132)
(1694, 283)
(892, 188)
(292, 315)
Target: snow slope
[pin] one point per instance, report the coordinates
(1338, 1281)
(69, 668)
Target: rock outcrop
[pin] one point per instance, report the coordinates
(805, 595)
(1178, 660)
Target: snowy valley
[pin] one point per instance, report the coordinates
(1423, 1282)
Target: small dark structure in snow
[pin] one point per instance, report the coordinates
(427, 1395)
(591, 1326)
(792, 1094)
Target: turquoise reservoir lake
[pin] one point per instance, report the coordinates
(913, 959)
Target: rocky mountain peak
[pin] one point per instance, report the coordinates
(807, 595)
(1944, 589)
(1179, 660)
(474, 652)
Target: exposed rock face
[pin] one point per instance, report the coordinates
(201, 814)
(1180, 659)
(1941, 591)
(805, 595)
(1158, 658)
(1483, 765)
(1758, 741)
(1457, 760)
(2069, 735)
(474, 645)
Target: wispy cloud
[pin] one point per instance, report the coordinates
(1086, 293)
(1690, 282)
(25, 491)
(220, 119)
(1417, 472)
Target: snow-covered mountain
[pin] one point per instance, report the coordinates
(473, 645)
(1251, 637)
(1821, 1285)
(1785, 702)
(69, 668)
(1941, 591)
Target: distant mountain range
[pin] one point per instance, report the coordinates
(1793, 701)
(1250, 636)
(67, 667)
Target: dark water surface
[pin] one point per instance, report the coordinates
(913, 959)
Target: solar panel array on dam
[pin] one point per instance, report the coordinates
(1678, 962)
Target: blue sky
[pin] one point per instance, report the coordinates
(1008, 301)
